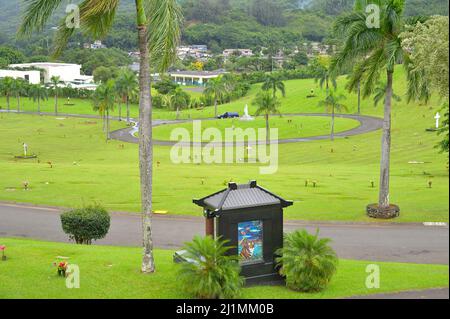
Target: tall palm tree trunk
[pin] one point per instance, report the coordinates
(332, 122)
(215, 107)
(359, 97)
(56, 104)
(7, 102)
(178, 112)
(267, 129)
(107, 125)
(145, 140)
(128, 109)
(120, 111)
(383, 201)
(39, 105)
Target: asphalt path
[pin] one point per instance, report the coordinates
(413, 243)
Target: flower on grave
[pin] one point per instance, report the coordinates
(61, 267)
(2, 249)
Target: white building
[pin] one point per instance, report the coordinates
(32, 77)
(66, 72)
(194, 77)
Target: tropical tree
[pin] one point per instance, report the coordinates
(55, 82)
(267, 104)
(332, 103)
(158, 31)
(127, 85)
(307, 261)
(7, 89)
(375, 50)
(38, 93)
(104, 99)
(19, 89)
(323, 73)
(379, 94)
(273, 82)
(215, 88)
(180, 100)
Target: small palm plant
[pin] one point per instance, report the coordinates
(308, 262)
(332, 103)
(210, 272)
(267, 104)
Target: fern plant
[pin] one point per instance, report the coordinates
(210, 272)
(307, 262)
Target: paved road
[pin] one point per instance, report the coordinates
(401, 243)
(367, 124)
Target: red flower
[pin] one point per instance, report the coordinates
(2, 248)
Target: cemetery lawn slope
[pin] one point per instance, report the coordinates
(113, 272)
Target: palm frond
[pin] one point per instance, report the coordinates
(165, 20)
(37, 14)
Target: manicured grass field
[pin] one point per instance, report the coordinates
(86, 169)
(288, 127)
(113, 272)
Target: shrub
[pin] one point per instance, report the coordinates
(308, 262)
(86, 224)
(210, 273)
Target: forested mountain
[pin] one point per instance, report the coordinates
(218, 23)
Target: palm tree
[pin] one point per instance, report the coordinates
(267, 104)
(20, 89)
(324, 74)
(104, 99)
(332, 104)
(55, 82)
(37, 92)
(374, 50)
(7, 89)
(180, 99)
(158, 31)
(379, 94)
(127, 84)
(216, 89)
(274, 83)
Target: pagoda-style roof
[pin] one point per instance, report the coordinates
(241, 196)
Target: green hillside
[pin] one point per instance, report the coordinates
(221, 24)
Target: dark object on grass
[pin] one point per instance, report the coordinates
(251, 218)
(83, 225)
(374, 211)
(228, 115)
(25, 156)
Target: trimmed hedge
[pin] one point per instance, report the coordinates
(83, 225)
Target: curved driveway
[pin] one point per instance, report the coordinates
(367, 124)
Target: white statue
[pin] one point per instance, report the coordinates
(246, 116)
(437, 118)
(25, 149)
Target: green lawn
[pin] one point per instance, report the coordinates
(113, 272)
(86, 169)
(288, 127)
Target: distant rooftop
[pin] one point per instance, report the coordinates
(43, 64)
(197, 73)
